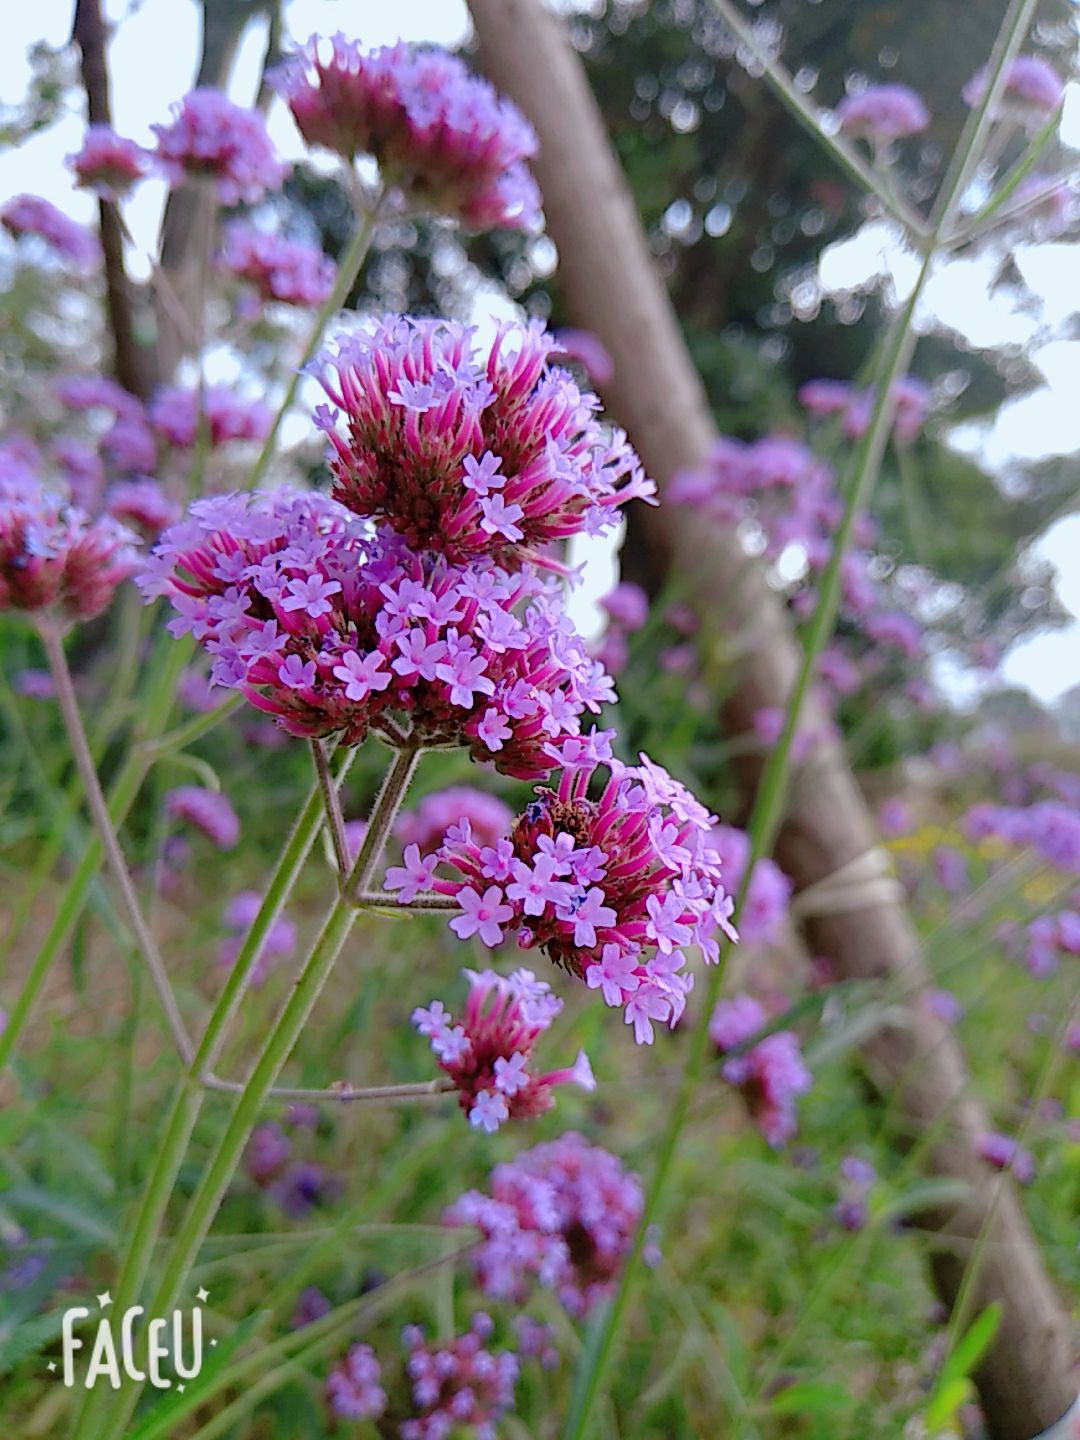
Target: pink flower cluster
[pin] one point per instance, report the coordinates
(353, 1390)
(627, 609)
(763, 913)
(471, 450)
(1031, 83)
(31, 215)
(912, 402)
(207, 811)
(53, 557)
(488, 818)
(1051, 828)
(1048, 938)
(882, 113)
(279, 269)
(1003, 1153)
(330, 628)
(612, 888)
(142, 504)
(175, 415)
(438, 132)
(279, 944)
(487, 1056)
(458, 1385)
(211, 137)
(563, 1214)
(771, 1073)
(107, 163)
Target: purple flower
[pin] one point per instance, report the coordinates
(31, 215)
(563, 1213)
(412, 877)
(175, 415)
(882, 113)
(482, 915)
(206, 810)
(770, 1074)
(589, 352)
(210, 136)
(626, 606)
(352, 1387)
(1003, 1153)
(486, 816)
(459, 1387)
(107, 163)
(279, 269)
(496, 453)
(1031, 84)
(440, 134)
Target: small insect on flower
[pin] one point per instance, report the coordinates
(488, 1055)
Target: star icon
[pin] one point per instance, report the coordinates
(104, 1299)
(202, 1294)
(52, 1364)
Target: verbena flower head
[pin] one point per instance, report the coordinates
(1031, 84)
(97, 392)
(471, 449)
(107, 163)
(589, 351)
(626, 606)
(770, 1074)
(763, 912)
(31, 215)
(457, 1385)
(440, 134)
(882, 113)
(353, 1390)
(175, 415)
(267, 1153)
(54, 558)
(279, 943)
(611, 888)
(563, 1214)
(1003, 1153)
(143, 505)
(211, 137)
(279, 269)
(488, 1055)
(486, 817)
(207, 811)
(329, 628)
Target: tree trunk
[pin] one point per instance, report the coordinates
(612, 288)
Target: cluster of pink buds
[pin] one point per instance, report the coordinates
(611, 888)
(1002, 1152)
(107, 163)
(332, 630)
(468, 450)
(54, 558)
(176, 415)
(439, 133)
(883, 113)
(563, 1214)
(488, 1055)
(771, 1073)
(31, 215)
(210, 137)
(353, 1391)
(207, 811)
(459, 1384)
(279, 269)
(279, 943)
(1033, 88)
(483, 816)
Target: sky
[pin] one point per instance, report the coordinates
(1044, 421)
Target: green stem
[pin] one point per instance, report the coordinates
(276, 1049)
(348, 272)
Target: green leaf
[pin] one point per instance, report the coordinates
(972, 1346)
(946, 1402)
(809, 1397)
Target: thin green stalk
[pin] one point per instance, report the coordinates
(348, 272)
(276, 1049)
(188, 1103)
(70, 905)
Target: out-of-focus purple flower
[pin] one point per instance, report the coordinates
(279, 943)
(266, 1154)
(1072, 1039)
(107, 163)
(440, 134)
(353, 1390)
(143, 505)
(770, 1074)
(1051, 829)
(564, 1214)
(613, 651)
(893, 627)
(682, 618)
(175, 415)
(207, 811)
(944, 1004)
(81, 471)
(590, 353)
(279, 269)
(311, 1305)
(471, 450)
(882, 113)
(764, 910)
(1048, 938)
(300, 1187)
(97, 392)
(479, 815)
(326, 626)
(129, 447)
(34, 684)
(1003, 1153)
(488, 1055)
(211, 137)
(838, 671)
(626, 606)
(1031, 84)
(677, 659)
(460, 1386)
(53, 558)
(31, 215)
(824, 398)
(536, 1341)
(857, 1179)
(950, 869)
(612, 889)
(1051, 208)
(768, 723)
